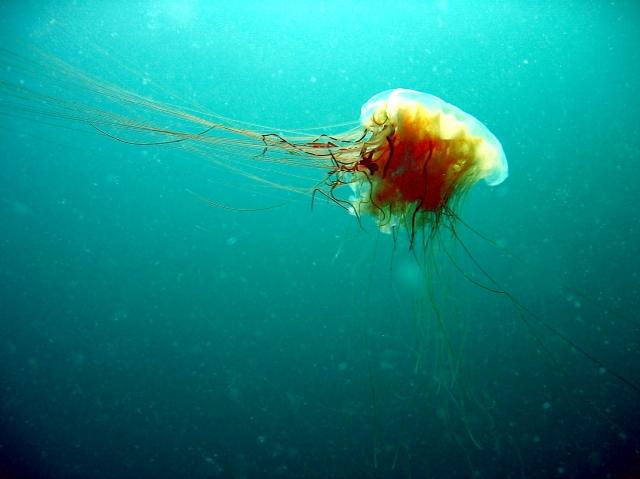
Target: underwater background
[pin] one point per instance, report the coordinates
(145, 333)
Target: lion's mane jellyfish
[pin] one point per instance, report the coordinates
(407, 164)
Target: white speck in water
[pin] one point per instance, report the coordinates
(120, 315)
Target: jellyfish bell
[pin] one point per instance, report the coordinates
(423, 154)
(439, 119)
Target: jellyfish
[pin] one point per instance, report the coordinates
(406, 165)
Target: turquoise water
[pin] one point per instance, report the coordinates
(145, 333)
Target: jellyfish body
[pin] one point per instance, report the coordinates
(423, 154)
(406, 165)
